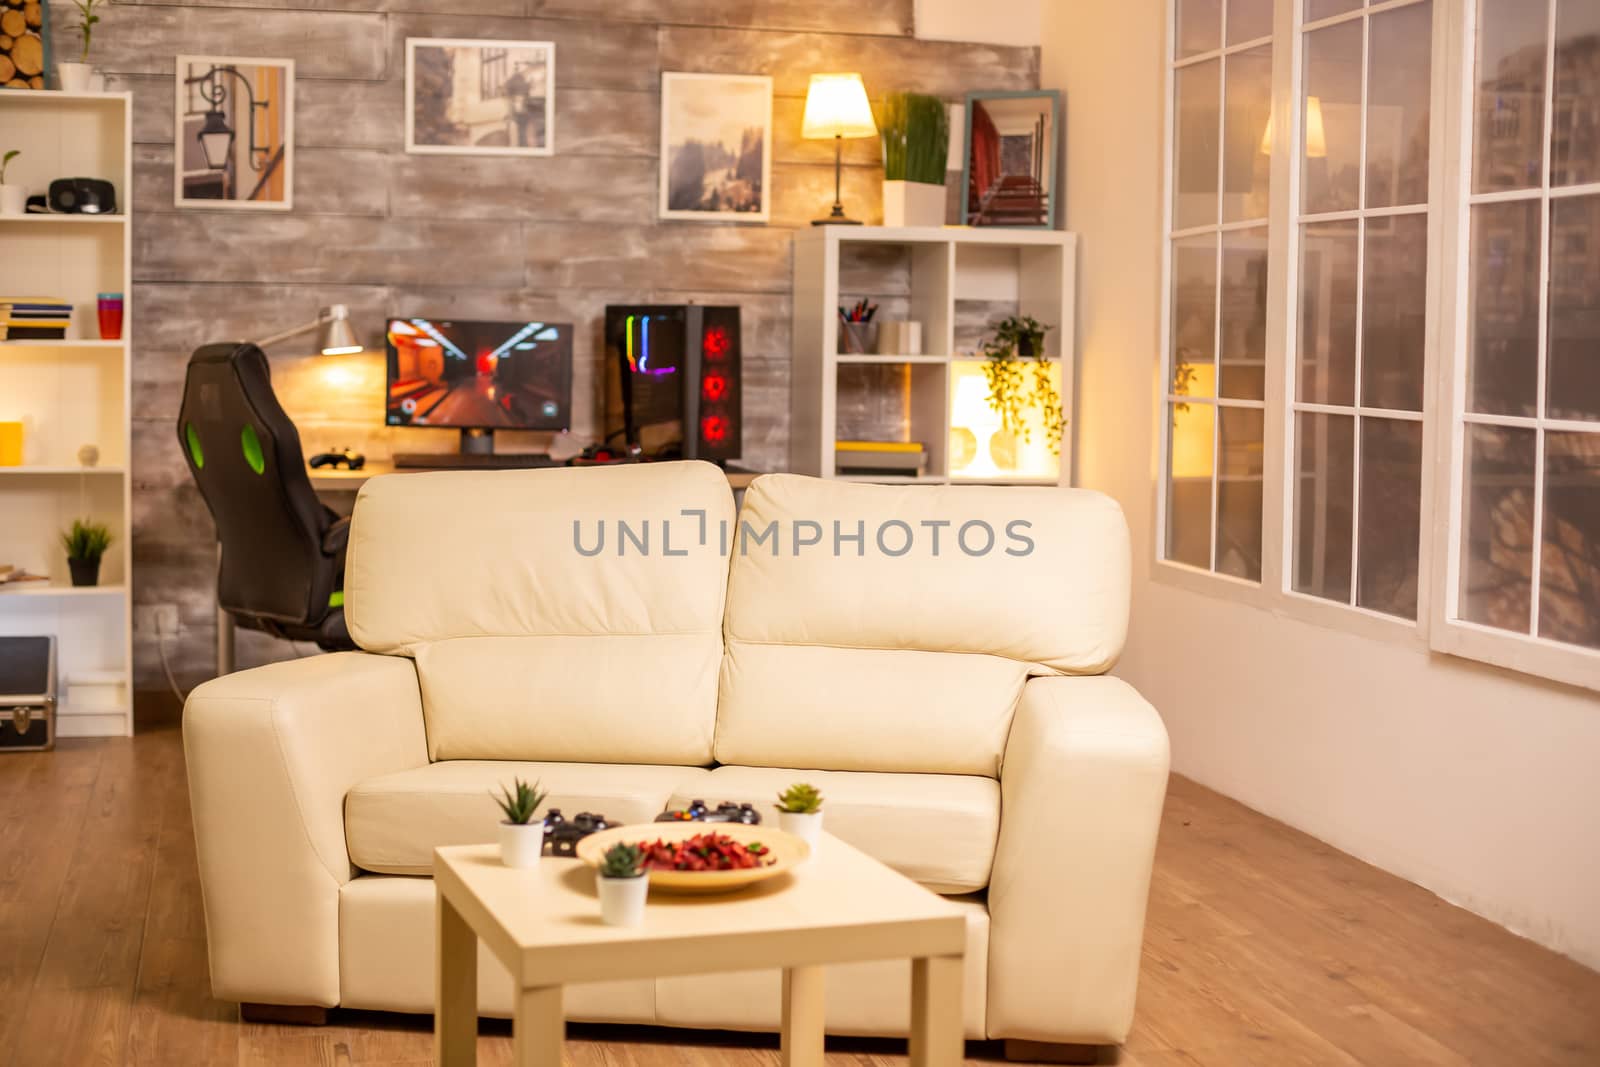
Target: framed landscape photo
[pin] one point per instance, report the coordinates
(483, 98)
(716, 147)
(235, 132)
(1013, 143)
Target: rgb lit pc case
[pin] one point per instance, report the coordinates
(672, 380)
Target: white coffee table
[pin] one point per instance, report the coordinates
(544, 925)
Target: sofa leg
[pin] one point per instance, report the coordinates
(1048, 1052)
(293, 1014)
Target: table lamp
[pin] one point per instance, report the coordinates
(836, 106)
(335, 336)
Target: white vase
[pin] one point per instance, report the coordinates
(13, 200)
(622, 899)
(806, 825)
(521, 843)
(74, 77)
(913, 204)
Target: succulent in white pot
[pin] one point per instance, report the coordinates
(800, 812)
(521, 835)
(916, 143)
(623, 884)
(78, 77)
(13, 198)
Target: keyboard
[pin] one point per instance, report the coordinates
(465, 461)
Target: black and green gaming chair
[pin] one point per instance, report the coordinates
(282, 549)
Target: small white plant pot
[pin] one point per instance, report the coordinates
(806, 825)
(622, 899)
(913, 204)
(521, 843)
(75, 77)
(13, 200)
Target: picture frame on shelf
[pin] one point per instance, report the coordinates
(25, 59)
(1011, 159)
(716, 147)
(480, 97)
(234, 128)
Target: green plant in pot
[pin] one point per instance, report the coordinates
(1019, 377)
(521, 835)
(86, 543)
(77, 77)
(800, 811)
(916, 142)
(622, 885)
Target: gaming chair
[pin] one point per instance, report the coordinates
(282, 549)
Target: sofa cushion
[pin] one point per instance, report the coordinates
(492, 582)
(936, 829)
(394, 822)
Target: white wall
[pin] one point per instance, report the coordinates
(1480, 784)
(1013, 22)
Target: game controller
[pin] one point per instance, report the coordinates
(727, 812)
(563, 834)
(348, 456)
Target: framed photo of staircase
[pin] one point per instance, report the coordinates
(1012, 159)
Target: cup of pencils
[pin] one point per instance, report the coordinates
(858, 334)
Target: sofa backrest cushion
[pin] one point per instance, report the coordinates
(529, 643)
(905, 648)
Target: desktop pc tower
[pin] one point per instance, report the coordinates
(672, 381)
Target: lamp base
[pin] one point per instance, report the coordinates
(840, 221)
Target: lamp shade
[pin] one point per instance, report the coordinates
(1316, 135)
(836, 106)
(335, 337)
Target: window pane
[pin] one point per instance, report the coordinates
(1189, 467)
(1194, 316)
(1391, 492)
(1247, 170)
(1199, 26)
(1502, 373)
(1508, 130)
(1572, 379)
(1569, 560)
(1394, 320)
(1244, 314)
(1249, 19)
(1398, 89)
(1497, 535)
(1194, 185)
(1330, 119)
(1321, 9)
(1327, 349)
(1575, 130)
(1239, 494)
(1324, 459)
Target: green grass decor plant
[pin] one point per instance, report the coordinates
(86, 540)
(800, 799)
(520, 802)
(916, 138)
(622, 860)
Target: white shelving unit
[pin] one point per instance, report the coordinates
(70, 393)
(925, 274)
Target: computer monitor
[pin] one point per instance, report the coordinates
(479, 377)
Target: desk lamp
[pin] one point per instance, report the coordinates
(836, 106)
(335, 336)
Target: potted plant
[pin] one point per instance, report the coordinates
(13, 198)
(86, 542)
(77, 77)
(622, 884)
(800, 811)
(1018, 341)
(916, 143)
(521, 837)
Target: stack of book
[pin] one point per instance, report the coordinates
(34, 318)
(893, 459)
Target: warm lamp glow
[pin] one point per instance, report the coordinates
(1316, 137)
(1194, 430)
(993, 453)
(836, 106)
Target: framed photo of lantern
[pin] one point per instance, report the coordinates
(483, 98)
(235, 133)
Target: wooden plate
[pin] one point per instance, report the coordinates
(787, 852)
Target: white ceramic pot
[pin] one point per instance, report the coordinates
(622, 899)
(74, 77)
(521, 843)
(806, 825)
(13, 200)
(913, 204)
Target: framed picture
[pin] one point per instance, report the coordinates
(25, 60)
(716, 147)
(1013, 142)
(235, 130)
(480, 98)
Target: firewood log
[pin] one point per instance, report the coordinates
(5, 42)
(13, 23)
(34, 14)
(8, 69)
(28, 54)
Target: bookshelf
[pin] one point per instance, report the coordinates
(70, 393)
(956, 282)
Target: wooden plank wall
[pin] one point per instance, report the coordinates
(383, 231)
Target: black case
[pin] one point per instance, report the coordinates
(27, 694)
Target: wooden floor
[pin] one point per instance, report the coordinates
(1263, 947)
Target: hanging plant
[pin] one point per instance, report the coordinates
(1019, 376)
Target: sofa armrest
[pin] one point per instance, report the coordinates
(1082, 784)
(271, 753)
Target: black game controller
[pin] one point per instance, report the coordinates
(563, 835)
(728, 812)
(348, 456)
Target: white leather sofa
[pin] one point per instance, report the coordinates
(951, 703)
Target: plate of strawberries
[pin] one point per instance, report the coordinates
(697, 857)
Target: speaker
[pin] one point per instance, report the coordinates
(83, 196)
(27, 693)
